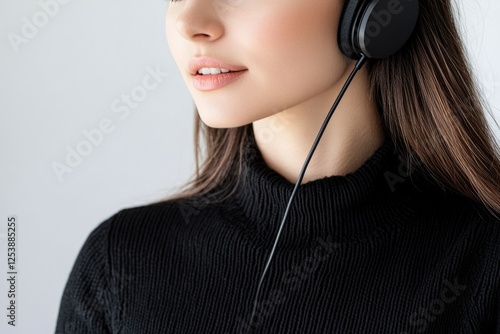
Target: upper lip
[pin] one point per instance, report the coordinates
(196, 63)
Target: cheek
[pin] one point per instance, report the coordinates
(296, 40)
(287, 25)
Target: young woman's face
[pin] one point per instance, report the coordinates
(288, 49)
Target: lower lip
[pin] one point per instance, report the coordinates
(215, 81)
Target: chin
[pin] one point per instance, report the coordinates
(221, 120)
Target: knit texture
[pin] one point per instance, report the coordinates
(380, 250)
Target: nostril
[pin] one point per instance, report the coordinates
(198, 24)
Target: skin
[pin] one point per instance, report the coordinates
(295, 72)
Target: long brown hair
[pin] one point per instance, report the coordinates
(431, 108)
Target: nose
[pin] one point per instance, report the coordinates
(199, 21)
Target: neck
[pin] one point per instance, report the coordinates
(353, 134)
(323, 208)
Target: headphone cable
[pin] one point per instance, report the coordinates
(357, 66)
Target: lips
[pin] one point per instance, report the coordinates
(196, 63)
(215, 73)
(216, 81)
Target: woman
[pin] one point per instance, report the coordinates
(394, 228)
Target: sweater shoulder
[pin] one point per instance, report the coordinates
(488, 222)
(441, 205)
(105, 259)
(156, 224)
(171, 213)
(455, 218)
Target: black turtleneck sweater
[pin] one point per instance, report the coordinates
(381, 250)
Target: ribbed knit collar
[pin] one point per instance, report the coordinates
(370, 202)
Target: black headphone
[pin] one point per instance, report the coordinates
(376, 28)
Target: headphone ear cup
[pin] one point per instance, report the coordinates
(347, 20)
(376, 28)
(384, 27)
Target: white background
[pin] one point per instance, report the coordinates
(64, 80)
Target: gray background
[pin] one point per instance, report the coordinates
(65, 79)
